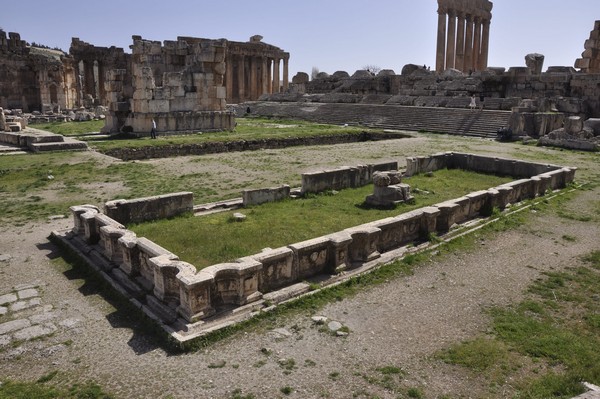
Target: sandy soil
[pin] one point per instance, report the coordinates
(402, 323)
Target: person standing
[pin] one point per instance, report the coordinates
(481, 100)
(153, 130)
(473, 103)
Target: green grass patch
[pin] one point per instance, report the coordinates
(38, 390)
(36, 186)
(557, 327)
(71, 128)
(246, 129)
(203, 241)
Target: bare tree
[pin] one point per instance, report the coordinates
(314, 73)
(373, 69)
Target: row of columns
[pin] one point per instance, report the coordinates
(249, 77)
(462, 42)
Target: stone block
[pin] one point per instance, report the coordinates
(195, 296)
(130, 263)
(264, 195)
(363, 247)
(478, 203)
(7, 298)
(166, 284)
(338, 257)
(236, 283)
(147, 250)
(158, 106)
(448, 215)
(573, 125)
(311, 257)
(14, 325)
(411, 225)
(109, 238)
(277, 268)
(77, 211)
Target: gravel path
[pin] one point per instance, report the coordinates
(401, 323)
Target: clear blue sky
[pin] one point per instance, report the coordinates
(328, 34)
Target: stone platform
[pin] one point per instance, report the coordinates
(36, 140)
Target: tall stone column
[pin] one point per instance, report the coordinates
(468, 65)
(229, 78)
(440, 59)
(241, 78)
(264, 76)
(286, 79)
(460, 42)
(477, 44)
(451, 41)
(253, 94)
(269, 76)
(485, 43)
(276, 65)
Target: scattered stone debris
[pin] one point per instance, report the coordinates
(576, 134)
(239, 217)
(388, 190)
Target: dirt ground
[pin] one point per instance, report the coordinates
(402, 323)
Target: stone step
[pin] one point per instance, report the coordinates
(481, 123)
(67, 145)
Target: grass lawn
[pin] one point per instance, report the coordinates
(203, 241)
(246, 129)
(71, 128)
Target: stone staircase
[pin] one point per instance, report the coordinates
(464, 122)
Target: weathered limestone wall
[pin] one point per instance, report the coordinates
(264, 195)
(179, 84)
(90, 65)
(150, 208)
(341, 178)
(572, 93)
(32, 77)
(178, 295)
(590, 58)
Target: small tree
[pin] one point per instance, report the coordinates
(372, 69)
(313, 73)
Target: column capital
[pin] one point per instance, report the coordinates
(469, 17)
(477, 19)
(442, 10)
(461, 14)
(452, 13)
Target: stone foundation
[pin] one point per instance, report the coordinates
(189, 303)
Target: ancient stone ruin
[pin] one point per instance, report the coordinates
(202, 75)
(590, 58)
(179, 85)
(187, 303)
(463, 35)
(388, 190)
